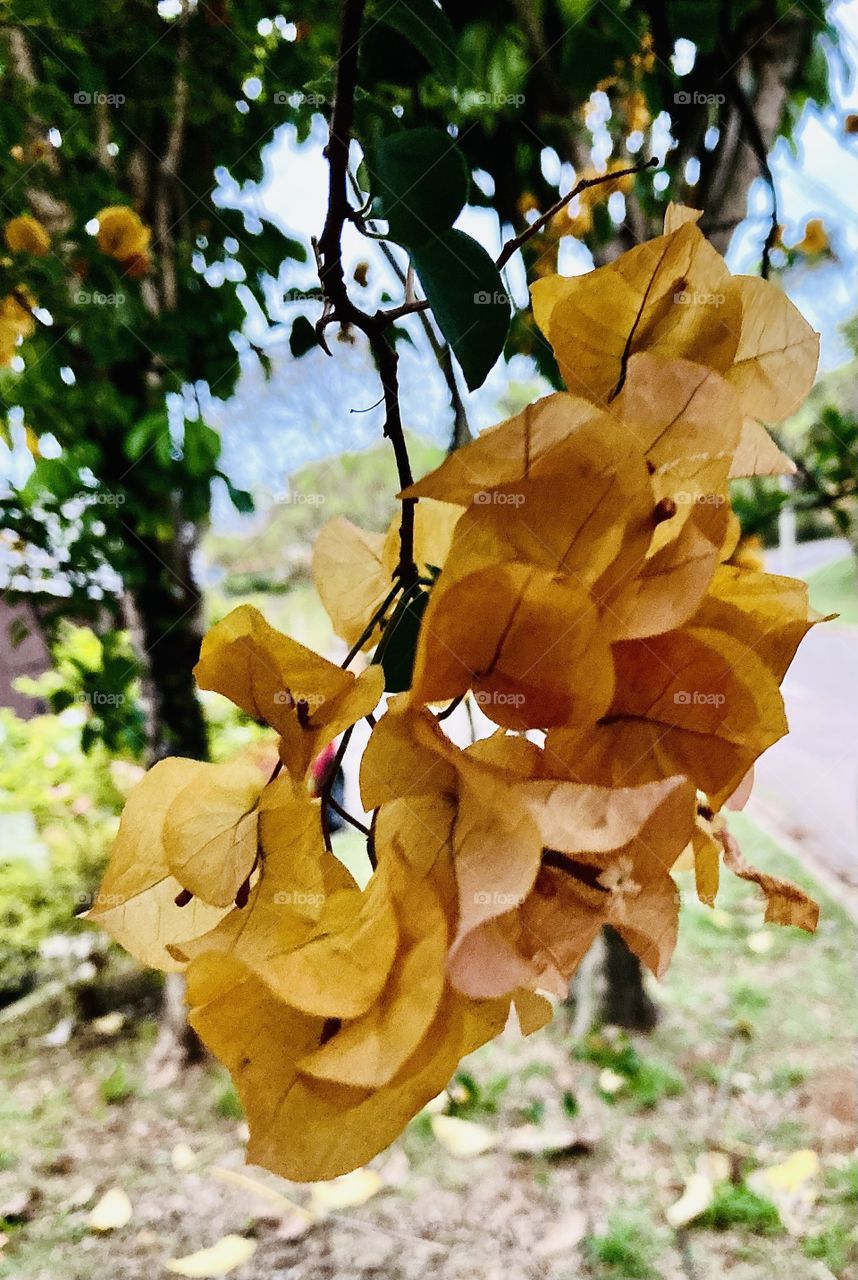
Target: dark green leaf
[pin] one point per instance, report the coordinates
(467, 298)
(201, 448)
(302, 338)
(428, 29)
(398, 644)
(419, 182)
(240, 498)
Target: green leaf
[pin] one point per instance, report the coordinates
(302, 337)
(428, 29)
(240, 498)
(201, 447)
(150, 434)
(467, 297)
(420, 183)
(398, 644)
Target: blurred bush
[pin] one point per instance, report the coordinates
(100, 674)
(59, 811)
(61, 793)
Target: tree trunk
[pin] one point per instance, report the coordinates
(625, 1002)
(164, 613)
(164, 609)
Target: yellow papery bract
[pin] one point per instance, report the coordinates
(758, 455)
(676, 215)
(776, 358)
(772, 613)
(687, 420)
(673, 295)
(307, 699)
(786, 903)
(504, 454)
(540, 656)
(305, 1128)
(509, 808)
(541, 941)
(136, 902)
(350, 576)
(368, 1052)
(706, 852)
(354, 570)
(695, 701)
(330, 961)
(672, 580)
(210, 831)
(593, 588)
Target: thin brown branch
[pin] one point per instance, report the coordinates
(513, 245)
(339, 307)
(347, 817)
(372, 624)
(441, 351)
(328, 783)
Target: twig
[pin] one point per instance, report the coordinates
(346, 816)
(338, 305)
(372, 624)
(536, 226)
(751, 125)
(448, 711)
(441, 351)
(328, 782)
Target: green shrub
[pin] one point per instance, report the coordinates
(58, 815)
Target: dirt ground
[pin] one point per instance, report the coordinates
(753, 1059)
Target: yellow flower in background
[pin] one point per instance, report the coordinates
(27, 235)
(815, 238)
(121, 233)
(16, 321)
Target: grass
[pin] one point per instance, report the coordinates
(834, 589)
(229, 1104)
(743, 1041)
(647, 1083)
(834, 1246)
(738, 1206)
(117, 1087)
(624, 1252)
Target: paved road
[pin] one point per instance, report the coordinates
(802, 559)
(807, 784)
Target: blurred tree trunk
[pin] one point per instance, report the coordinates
(625, 1002)
(164, 613)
